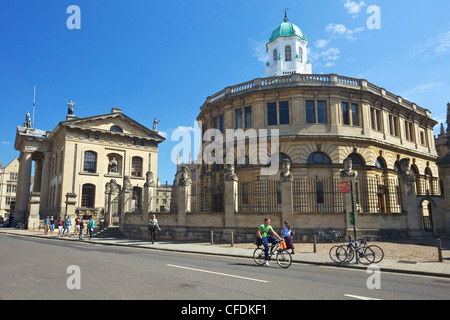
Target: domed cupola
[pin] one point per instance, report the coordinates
(287, 50)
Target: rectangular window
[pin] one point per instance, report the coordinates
(310, 112)
(238, 113)
(321, 112)
(319, 192)
(284, 112)
(245, 193)
(375, 116)
(248, 117)
(90, 162)
(136, 167)
(272, 114)
(355, 114)
(409, 134)
(393, 125)
(345, 113)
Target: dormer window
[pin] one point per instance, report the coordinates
(116, 129)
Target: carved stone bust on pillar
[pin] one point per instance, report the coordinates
(230, 174)
(286, 175)
(348, 169)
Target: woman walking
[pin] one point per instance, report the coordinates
(60, 226)
(152, 227)
(287, 236)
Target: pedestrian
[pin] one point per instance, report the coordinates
(52, 224)
(287, 236)
(152, 227)
(91, 227)
(81, 229)
(46, 225)
(77, 225)
(67, 225)
(61, 227)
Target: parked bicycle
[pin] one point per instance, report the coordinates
(359, 249)
(283, 257)
(333, 235)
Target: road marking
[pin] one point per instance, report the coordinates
(360, 297)
(217, 273)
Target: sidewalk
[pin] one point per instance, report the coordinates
(441, 269)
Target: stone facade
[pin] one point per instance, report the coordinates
(77, 162)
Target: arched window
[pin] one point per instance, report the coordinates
(116, 129)
(318, 158)
(288, 53)
(300, 54)
(380, 163)
(275, 55)
(136, 167)
(88, 196)
(90, 162)
(357, 160)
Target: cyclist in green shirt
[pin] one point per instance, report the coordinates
(263, 239)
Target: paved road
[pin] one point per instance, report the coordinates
(33, 268)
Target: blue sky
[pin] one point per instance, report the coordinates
(162, 59)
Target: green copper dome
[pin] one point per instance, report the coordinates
(286, 29)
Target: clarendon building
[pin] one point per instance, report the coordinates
(319, 121)
(90, 166)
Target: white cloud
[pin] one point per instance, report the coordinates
(337, 29)
(5, 142)
(424, 87)
(433, 47)
(259, 50)
(321, 43)
(326, 57)
(353, 8)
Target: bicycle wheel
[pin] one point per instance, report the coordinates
(344, 253)
(258, 256)
(377, 252)
(334, 254)
(284, 259)
(367, 257)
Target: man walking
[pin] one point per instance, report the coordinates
(46, 225)
(263, 239)
(67, 225)
(91, 227)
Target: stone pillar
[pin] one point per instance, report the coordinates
(149, 202)
(45, 180)
(23, 184)
(287, 200)
(33, 216)
(444, 167)
(71, 202)
(408, 199)
(184, 195)
(230, 197)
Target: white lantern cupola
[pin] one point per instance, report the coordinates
(287, 50)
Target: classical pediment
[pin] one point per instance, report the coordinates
(115, 123)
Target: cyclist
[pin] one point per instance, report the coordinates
(263, 239)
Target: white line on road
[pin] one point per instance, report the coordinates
(359, 297)
(217, 273)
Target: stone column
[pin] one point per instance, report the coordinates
(444, 168)
(408, 199)
(71, 202)
(23, 184)
(45, 180)
(230, 197)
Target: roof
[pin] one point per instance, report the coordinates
(286, 29)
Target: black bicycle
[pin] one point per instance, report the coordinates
(283, 257)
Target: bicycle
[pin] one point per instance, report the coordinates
(283, 257)
(332, 235)
(364, 253)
